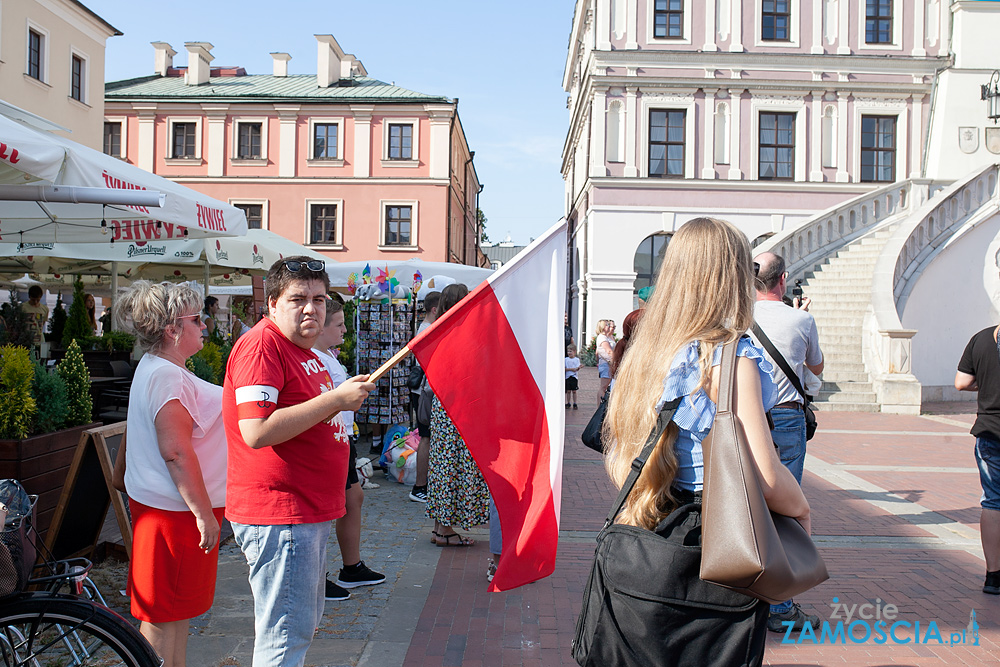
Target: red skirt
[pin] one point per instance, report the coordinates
(170, 578)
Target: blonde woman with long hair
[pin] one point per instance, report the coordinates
(703, 299)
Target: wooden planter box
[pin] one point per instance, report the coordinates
(41, 463)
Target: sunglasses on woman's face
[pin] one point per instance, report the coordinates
(313, 265)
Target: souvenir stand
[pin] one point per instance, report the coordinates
(383, 324)
(382, 327)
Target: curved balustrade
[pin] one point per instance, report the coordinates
(819, 237)
(911, 247)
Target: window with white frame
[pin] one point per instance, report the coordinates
(667, 137)
(778, 137)
(326, 141)
(880, 24)
(184, 140)
(113, 138)
(248, 141)
(36, 54)
(77, 81)
(400, 141)
(668, 19)
(777, 23)
(776, 146)
(878, 21)
(775, 20)
(399, 224)
(254, 214)
(325, 224)
(878, 149)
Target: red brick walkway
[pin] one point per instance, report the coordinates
(903, 532)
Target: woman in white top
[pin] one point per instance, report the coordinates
(175, 472)
(208, 315)
(605, 350)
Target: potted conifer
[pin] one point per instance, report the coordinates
(42, 416)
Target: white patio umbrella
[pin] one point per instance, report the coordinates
(216, 261)
(30, 155)
(405, 271)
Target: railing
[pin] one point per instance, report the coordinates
(912, 246)
(822, 235)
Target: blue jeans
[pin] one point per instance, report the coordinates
(988, 460)
(496, 537)
(789, 435)
(287, 568)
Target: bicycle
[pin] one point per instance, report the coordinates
(64, 622)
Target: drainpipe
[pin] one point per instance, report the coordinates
(930, 118)
(465, 189)
(451, 134)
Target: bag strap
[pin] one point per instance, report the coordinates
(727, 379)
(780, 360)
(662, 421)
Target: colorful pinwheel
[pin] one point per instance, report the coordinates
(352, 283)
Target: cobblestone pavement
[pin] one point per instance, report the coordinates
(895, 512)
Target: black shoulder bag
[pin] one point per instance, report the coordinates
(592, 432)
(807, 408)
(645, 604)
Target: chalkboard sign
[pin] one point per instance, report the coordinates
(83, 505)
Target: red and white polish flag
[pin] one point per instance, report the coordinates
(495, 361)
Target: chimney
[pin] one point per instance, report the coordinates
(281, 63)
(329, 61)
(199, 62)
(164, 58)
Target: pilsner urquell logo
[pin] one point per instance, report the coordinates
(219, 252)
(257, 258)
(144, 249)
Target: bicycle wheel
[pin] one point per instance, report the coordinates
(39, 630)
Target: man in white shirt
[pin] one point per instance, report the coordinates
(793, 333)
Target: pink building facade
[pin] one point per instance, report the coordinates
(347, 165)
(762, 112)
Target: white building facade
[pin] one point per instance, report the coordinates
(761, 112)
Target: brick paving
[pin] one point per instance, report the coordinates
(895, 513)
(878, 546)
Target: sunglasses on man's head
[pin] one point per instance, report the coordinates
(313, 265)
(756, 268)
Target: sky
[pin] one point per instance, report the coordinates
(505, 66)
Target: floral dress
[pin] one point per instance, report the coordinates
(456, 490)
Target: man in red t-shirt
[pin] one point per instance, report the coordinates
(287, 467)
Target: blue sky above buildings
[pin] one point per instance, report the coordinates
(504, 63)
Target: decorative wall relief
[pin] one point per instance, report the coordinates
(968, 139)
(993, 139)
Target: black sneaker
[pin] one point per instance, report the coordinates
(992, 585)
(358, 575)
(419, 494)
(776, 622)
(336, 593)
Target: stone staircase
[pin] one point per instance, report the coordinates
(841, 289)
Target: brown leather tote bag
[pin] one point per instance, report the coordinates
(745, 546)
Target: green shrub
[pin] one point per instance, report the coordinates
(17, 405)
(78, 323)
(74, 373)
(116, 341)
(208, 363)
(346, 355)
(58, 320)
(588, 355)
(14, 328)
(49, 391)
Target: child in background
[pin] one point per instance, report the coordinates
(572, 384)
(348, 527)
